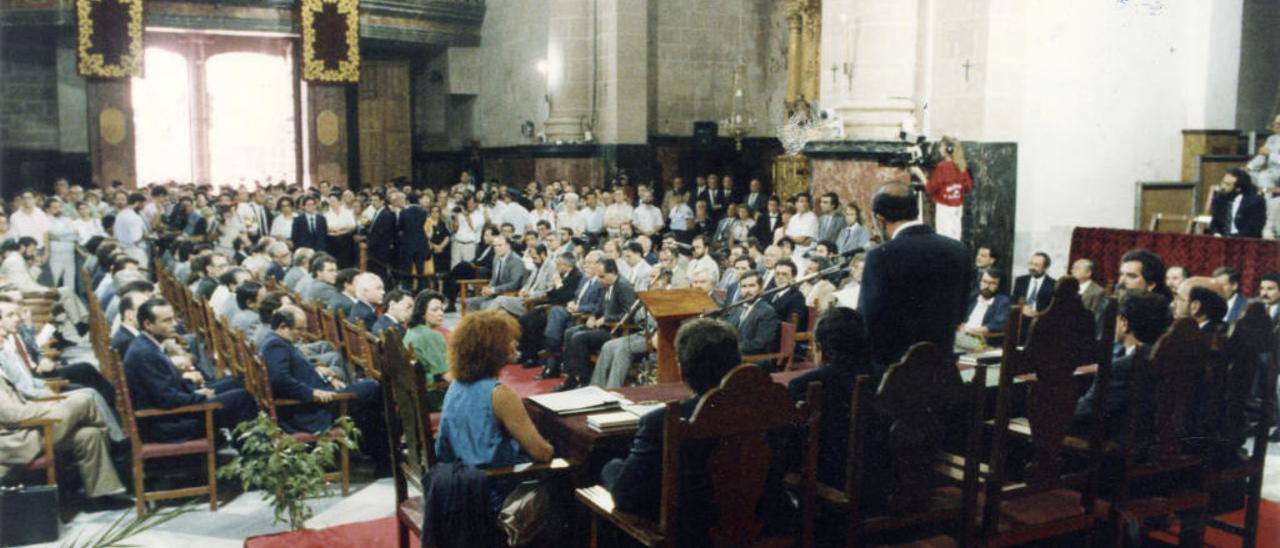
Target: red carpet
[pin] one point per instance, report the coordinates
(382, 532)
(522, 382)
(364, 534)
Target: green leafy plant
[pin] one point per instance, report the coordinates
(288, 470)
(125, 527)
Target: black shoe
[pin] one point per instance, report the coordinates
(569, 384)
(109, 502)
(1275, 436)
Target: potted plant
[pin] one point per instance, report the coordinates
(287, 469)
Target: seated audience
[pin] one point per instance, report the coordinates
(155, 383)
(1141, 319)
(617, 355)
(293, 377)
(368, 291)
(582, 340)
(988, 313)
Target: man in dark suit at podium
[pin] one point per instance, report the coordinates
(310, 230)
(915, 286)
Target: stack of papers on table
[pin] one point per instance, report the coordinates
(588, 399)
(626, 419)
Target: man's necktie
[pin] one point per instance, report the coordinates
(311, 219)
(22, 352)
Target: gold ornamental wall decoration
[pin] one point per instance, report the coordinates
(331, 41)
(109, 38)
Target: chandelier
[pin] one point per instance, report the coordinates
(741, 120)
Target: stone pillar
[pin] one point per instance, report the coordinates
(811, 69)
(326, 112)
(111, 134)
(569, 57)
(795, 28)
(884, 35)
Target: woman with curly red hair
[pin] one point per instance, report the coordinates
(484, 424)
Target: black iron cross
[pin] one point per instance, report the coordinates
(110, 19)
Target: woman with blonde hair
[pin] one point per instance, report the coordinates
(484, 423)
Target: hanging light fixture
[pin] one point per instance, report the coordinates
(741, 120)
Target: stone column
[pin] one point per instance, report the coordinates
(111, 134)
(884, 35)
(795, 27)
(569, 56)
(811, 73)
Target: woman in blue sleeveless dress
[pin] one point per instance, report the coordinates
(484, 423)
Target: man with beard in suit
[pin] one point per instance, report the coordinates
(757, 322)
(915, 285)
(988, 313)
(1034, 289)
(1237, 208)
(381, 238)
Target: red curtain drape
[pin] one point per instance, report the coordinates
(1201, 254)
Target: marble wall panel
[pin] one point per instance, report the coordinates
(854, 180)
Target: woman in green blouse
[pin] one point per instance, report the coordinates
(428, 344)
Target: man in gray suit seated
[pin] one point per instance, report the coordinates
(324, 272)
(508, 274)
(535, 286)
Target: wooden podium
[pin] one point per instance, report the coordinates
(670, 307)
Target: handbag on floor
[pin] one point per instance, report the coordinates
(28, 515)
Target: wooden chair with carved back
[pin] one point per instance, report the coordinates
(900, 485)
(1249, 351)
(359, 348)
(782, 359)
(257, 381)
(1163, 449)
(142, 451)
(1043, 497)
(736, 418)
(331, 329)
(412, 442)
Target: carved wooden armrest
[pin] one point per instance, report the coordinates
(43, 422)
(51, 294)
(337, 396)
(530, 469)
(49, 398)
(195, 408)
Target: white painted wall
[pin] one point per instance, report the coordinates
(1096, 94)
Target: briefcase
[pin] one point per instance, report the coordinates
(28, 515)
